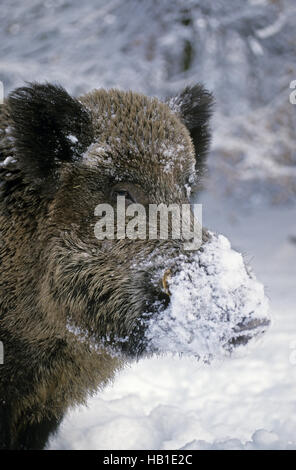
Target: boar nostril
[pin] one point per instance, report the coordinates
(165, 278)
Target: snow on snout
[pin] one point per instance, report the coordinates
(215, 300)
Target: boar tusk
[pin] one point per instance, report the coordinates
(166, 276)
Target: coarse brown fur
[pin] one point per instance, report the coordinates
(65, 297)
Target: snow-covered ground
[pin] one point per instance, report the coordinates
(244, 51)
(246, 402)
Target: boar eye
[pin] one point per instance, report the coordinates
(123, 192)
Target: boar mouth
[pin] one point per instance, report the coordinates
(247, 330)
(205, 308)
(215, 305)
(140, 345)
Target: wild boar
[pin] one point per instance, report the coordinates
(74, 308)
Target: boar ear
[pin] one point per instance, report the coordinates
(48, 127)
(194, 107)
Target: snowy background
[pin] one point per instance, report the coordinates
(244, 51)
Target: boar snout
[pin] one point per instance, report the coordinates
(205, 304)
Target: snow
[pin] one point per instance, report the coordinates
(213, 301)
(261, 439)
(272, 29)
(246, 401)
(7, 161)
(246, 56)
(73, 139)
